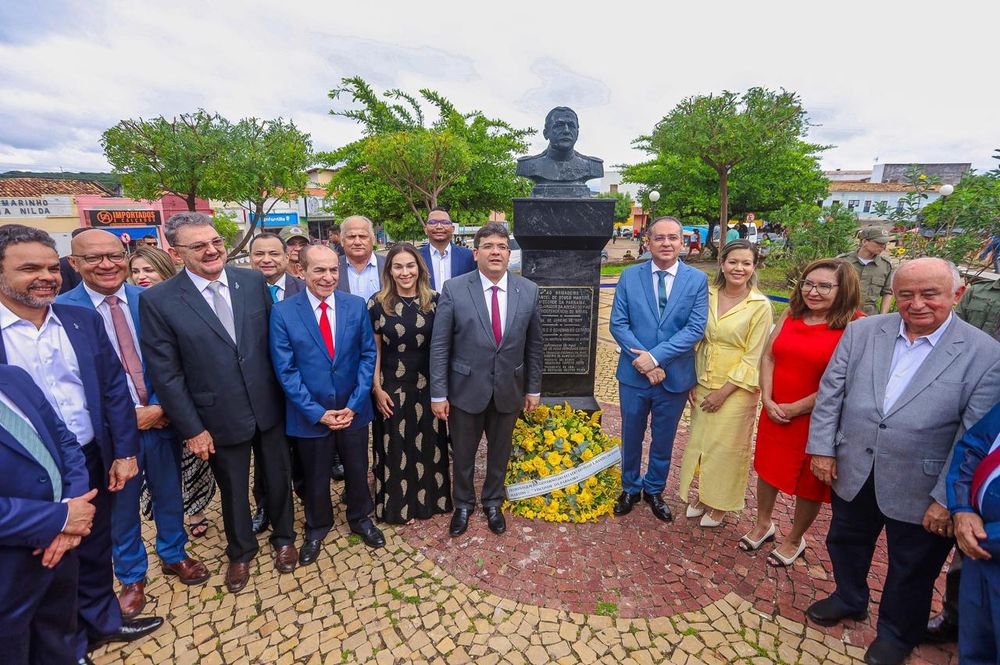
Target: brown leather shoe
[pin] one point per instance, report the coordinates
(286, 558)
(132, 599)
(188, 570)
(237, 575)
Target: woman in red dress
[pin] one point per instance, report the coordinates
(797, 353)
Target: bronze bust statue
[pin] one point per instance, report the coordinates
(560, 171)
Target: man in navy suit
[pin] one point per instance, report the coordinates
(45, 510)
(444, 260)
(68, 355)
(323, 351)
(659, 314)
(98, 257)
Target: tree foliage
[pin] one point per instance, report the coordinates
(177, 156)
(717, 155)
(815, 233)
(623, 204)
(390, 173)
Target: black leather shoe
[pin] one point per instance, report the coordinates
(308, 552)
(831, 611)
(942, 629)
(459, 521)
(625, 502)
(259, 523)
(495, 520)
(130, 631)
(336, 467)
(372, 536)
(885, 652)
(661, 510)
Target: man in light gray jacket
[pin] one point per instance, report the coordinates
(899, 391)
(486, 366)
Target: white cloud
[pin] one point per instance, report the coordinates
(895, 80)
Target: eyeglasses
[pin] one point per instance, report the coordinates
(660, 239)
(822, 288)
(217, 243)
(95, 259)
(439, 222)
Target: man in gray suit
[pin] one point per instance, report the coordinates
(486, 366)
(899, 391)
(360, 267)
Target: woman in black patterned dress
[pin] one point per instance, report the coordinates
(410, 445)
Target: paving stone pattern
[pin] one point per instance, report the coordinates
(629, 590)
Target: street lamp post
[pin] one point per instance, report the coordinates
(654, 196)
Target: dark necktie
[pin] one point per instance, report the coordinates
(325, 330)
(126, 348)
(495, 316)
(661, 290)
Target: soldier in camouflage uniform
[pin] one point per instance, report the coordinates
(980, 306)
(874, 270)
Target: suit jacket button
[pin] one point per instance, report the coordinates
(882, 426)
(869, 451)
(43, 479)
(240, 358)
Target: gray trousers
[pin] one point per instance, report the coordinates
(467, 430)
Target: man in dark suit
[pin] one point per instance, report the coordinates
(444, 260)
(486, 366)
(658, 316)
(204, 337)
(326, 367)
(45, 510)
(99, 259)
(67, 353)
(360, 267)
(269, 257)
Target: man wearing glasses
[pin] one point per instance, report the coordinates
(444, 260)
(205, 340)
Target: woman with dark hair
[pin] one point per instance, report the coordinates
(825, 300)
(410, 445)
(148, 266)
(724, 402)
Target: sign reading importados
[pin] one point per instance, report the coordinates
(124, 217)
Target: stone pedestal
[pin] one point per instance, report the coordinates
(561, 241)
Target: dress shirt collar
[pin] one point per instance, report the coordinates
(9, 318)
(445, 253)
(280, 282)
(672, 270)
(487, 284)
(201, 283)
(98, 298)
(314, 301)
(933, 338)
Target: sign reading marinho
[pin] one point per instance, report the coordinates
(124, 217)
(40, 206)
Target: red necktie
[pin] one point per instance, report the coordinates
(982, 472)
(495, 316)
(126, 346)
(324, 328)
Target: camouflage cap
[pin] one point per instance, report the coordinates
(294, 233)
(875, 234)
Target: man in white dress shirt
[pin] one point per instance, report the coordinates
(444, 259)
(360, 267)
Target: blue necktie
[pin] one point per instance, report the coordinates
(661, 290)
(21, 429)
(274, 292)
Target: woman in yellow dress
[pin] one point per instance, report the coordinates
(724, 403)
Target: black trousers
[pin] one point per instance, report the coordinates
(231, 467)
(260, 484)
(316, 455)
(467, 430)
(51, 637)
(915, 559)
(99, 612)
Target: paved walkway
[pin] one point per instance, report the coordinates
(628, 590)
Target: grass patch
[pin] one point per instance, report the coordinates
(606, 609)
(690, 631)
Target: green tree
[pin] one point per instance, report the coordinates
(747, 147)
(225, 223)
(265, 161)
(489, 183)
(815, 233)
(177, 156)
(623, 204)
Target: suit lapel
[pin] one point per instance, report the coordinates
(680, 282)
(85, 353)
(238, 297)
(646, 276)
(939, 359)
(513, 297)
(479, 302)
(196, 301)
(885, 342)
(310, 323)
(425, 252)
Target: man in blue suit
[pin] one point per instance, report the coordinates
(323, 351)
(658, 316)
(974, 502)
(45, 510)
(68, 355)
(444, 260)
(98, 257)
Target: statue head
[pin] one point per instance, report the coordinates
(562, 127)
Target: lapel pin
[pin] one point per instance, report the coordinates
(236, 285)
(76, 326)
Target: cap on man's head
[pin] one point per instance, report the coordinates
(292, 234)
(875, 234)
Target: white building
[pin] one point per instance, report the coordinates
(863, 190)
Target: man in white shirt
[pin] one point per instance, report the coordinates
(443, 258)
(360, 267)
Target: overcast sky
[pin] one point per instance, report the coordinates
(887, 80)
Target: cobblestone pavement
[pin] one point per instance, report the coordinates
(628, 590)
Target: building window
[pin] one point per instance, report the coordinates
(853, 203)
(868, 206)
(899, 206)
(835, 204)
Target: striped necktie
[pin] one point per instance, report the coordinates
(21, 429)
